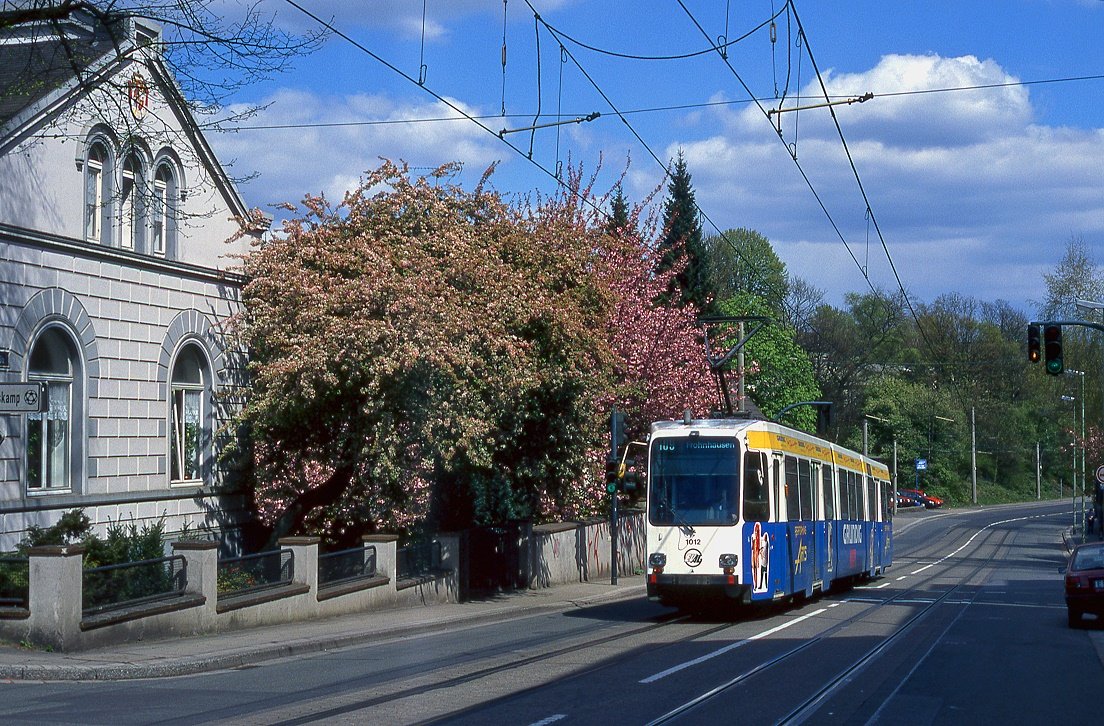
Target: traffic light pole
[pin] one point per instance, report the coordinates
(1063, 323)
(617, 426)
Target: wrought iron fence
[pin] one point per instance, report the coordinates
(237, 575)
(417, 558)
(15, 578)
(114, 586)
(345, 565)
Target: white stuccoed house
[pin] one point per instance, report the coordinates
(116, 279)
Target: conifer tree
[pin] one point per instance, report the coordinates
(682, 248)
(619, 213)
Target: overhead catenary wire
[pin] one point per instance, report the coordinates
(665, 166)
(634, 111)
(801, 170)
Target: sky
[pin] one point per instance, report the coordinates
(978, 156)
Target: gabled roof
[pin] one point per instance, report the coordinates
(35, 59)
(45, 64)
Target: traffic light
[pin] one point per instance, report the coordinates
(611, 475)
(1034, 344)
(1052, 349)
(628, 477)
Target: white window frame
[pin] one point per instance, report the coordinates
(49, 481)
(179, 394)
(96, 190)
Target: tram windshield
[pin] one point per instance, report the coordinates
(694, 481)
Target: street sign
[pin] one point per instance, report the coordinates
(22, 397)
(921, 464)
(1100, 474)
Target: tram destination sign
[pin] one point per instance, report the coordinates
(22, 397)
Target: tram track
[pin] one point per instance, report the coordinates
(354, 700)
(809, 705)
(761, 668)
(353, 706)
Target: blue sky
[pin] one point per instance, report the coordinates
(975, 191)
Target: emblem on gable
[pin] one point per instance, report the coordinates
(138, 95)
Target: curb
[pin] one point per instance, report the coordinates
(191, 665)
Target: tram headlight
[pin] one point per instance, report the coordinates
(657, 560)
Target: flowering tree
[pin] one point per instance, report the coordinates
(424, 354)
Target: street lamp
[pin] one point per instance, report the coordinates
(931, 428)
(1072, 372)
(1094, 305)
(867, 416)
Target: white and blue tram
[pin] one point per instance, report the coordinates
(754, 511)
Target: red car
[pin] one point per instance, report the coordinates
(928, 501)
(1085, 582)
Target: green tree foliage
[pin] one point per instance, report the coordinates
(619, 219)
(682, 249)
(423, 355)
(743, 261)
(778, 371)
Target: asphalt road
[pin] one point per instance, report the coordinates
(968, 626)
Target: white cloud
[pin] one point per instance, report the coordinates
(970, 193)
(304, 157)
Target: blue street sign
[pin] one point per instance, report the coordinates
(921, 464)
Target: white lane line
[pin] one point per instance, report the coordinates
(728, 648)
(903, 577)
(550, 719)
(884, 584)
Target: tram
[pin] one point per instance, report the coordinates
(752, 511)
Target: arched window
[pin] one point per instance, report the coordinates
(132, 203)
(50, 435)
(97, 193)
(189, 407)
(162, 219)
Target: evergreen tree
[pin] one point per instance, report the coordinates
(619, 213)
(682, 247)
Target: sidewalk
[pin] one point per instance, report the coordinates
(175, 657)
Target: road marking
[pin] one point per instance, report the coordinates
(729, 647)
(886, 584)
(550, 719)
(903, 577)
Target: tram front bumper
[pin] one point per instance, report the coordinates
(676, 588)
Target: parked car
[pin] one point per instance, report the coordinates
(906, 500)
(1085, 582)
(926, 499)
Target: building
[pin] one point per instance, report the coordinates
(117, 233)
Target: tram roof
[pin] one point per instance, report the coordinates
(732, 426)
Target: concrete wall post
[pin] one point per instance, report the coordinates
(55, 596)
(304, 552)
(386, 557)
(201, 557)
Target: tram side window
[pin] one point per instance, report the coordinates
(805, 487)
(829, 499)
(756, 489)
(854, 496)
(887, 502)
(871, 499)
(793, 499)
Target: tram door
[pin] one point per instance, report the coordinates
(817, 525)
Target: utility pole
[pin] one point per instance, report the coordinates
(1038, 472)
(973, 453)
